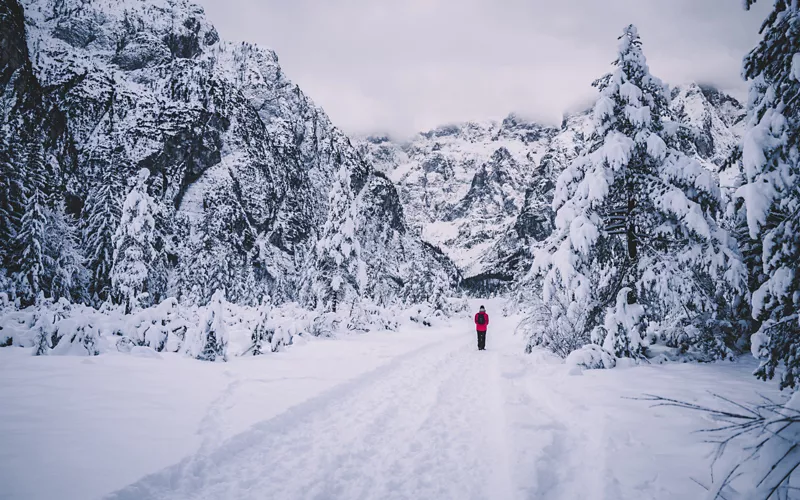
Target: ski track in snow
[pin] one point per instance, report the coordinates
(428, 425)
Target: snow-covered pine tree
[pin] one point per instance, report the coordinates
(101, 215)
(622, 332)
(44, 328)
(263, 332)
(136, 259)
(218, 257)
(633, 212)
(439, 304)
(770, 159)
(771, 163)
(215, 334)
(30, 241)
(47, 257)
(65, 271)
(340, 273)
(12, 200)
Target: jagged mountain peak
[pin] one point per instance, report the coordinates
(462, 185)
(502, 154)
(715, 121)
(130, 33)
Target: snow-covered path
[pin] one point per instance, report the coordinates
(429, 424)
(444, 421)
(418, 414)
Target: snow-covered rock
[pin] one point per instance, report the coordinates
(716, 123)
(591, 357)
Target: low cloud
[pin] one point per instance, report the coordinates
(403, 66)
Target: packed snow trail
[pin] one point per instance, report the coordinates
(430, 424)
(445, 421)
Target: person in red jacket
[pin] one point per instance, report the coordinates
(481, 323)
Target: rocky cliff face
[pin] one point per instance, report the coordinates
(715, 122)
(242, 162)
(463, 186)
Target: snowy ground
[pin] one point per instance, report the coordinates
(416, 414)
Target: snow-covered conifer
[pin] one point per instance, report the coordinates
(101, 215)
(48, 259)
(12, 199)
(44, 328)
(771, 164)
(623, 327)
(340, 273)
(634, 212)
(439, 304)
(264, 331)
(66, 274)
(28, 249)
(136, 259)
(214, 331)
(30, 241)
(220, 254)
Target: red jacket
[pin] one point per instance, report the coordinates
(482, 328)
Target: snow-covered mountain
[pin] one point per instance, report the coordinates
(242, 162)
(257, 191)
(717, 124)
(462, 186)
(482, 191)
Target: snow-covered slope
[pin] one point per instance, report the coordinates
(482, 191)
(241, 160)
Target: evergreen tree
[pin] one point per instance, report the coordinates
(47, 256)
(263, 332)
(218, 256)
(29, 245)
(771, 163)
(136, 258)
(215, 335)
(66, 272)
(339, 274)
(101, 216)
(30, 241)
(621, 331)
(12, 199)
(44, 329)
(635, 215)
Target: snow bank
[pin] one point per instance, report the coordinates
(62, 328)
(591, 357)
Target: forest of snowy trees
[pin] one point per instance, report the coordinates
(647, 247)
(108, 212)
(646, 251)
(640, 247)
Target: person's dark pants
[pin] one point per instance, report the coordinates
(481, 340)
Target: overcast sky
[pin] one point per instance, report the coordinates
(402, 66)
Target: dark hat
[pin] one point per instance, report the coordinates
(483, 308)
